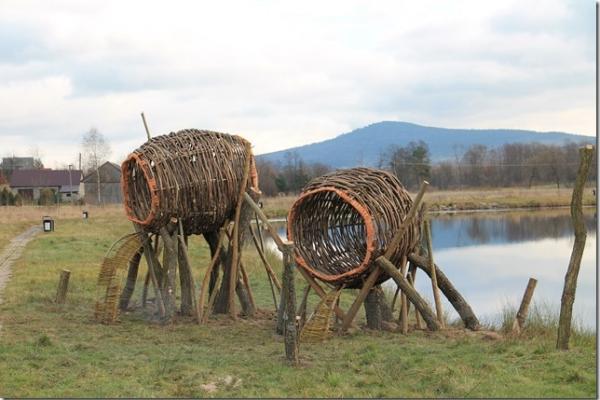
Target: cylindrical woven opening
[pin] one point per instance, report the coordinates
(193, 175)
(343, 221)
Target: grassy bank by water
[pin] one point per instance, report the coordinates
(468, 199)
(47, 350)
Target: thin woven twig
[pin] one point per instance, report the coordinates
(343, 221)
(110, 278)
(191, 174)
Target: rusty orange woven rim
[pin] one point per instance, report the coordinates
(370, 234)
(152, 186)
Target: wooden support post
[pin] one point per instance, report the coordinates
(272, 231)
(207, 275)
(246, 283)
(289, 315)
(454, 297)
(145, 289)
(391, 248)
(586, 155)
(153, 267)
(132, 274)
(268, 267)
(419, 303)
(170, 259)
(412, 276)
(404, 301)
(362, 294)
(519, 322)
(189, 305)
(302, 308)
(373, 309)
(63, 286)
(434, 284)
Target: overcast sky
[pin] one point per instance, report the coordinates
(283, 74)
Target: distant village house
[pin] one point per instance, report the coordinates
(110, 185)
(28, 183)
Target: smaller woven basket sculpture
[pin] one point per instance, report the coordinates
(191, 174)
(343, 221)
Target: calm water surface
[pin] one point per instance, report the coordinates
(489, 256)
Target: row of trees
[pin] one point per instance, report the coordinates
(515, 164)
(289, 176)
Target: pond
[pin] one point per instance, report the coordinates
(489, 256)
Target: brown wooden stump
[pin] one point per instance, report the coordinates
(568, 296)
(373, 308)
(63, 286)
(519, 322)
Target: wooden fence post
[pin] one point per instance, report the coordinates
(63, 286)
(568, 297)
(519, 322)
(289, 312)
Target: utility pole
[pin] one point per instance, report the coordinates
(70, 184)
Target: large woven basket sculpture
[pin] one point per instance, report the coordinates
(191, 174)
(343, 221)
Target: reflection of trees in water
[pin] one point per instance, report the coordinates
(502, 227)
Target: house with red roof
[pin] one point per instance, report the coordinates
(28, 183)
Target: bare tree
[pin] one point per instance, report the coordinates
(95, 151)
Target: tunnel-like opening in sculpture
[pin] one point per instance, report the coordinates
(333, 233)
(344, 220)
(135, 180)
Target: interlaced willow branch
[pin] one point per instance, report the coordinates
(190, 174)
(344, 220)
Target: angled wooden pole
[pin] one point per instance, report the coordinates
(434, 284)
(289, 314)
(521, 316)
(319, 291)
(454, 297)
(146, 126)
(204, 287)
(272, 231)
(411, 293)
(586, 155)
(391, 249)
(404, 300)
(263, 258)
(362, 294)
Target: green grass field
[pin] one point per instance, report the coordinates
(53, 351)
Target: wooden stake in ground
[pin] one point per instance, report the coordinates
(519, 322)
(63, 286)
(289, 314)
(434, 284)
(568, 297)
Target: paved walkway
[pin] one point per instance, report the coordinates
(11, 253)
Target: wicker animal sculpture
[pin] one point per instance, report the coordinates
(193, 175)
(343, 221)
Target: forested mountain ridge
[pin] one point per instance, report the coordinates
(364, 146)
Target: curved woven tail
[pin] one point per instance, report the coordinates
(111, 274)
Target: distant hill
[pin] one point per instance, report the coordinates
(363, 146)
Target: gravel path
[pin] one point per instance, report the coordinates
(11, 253)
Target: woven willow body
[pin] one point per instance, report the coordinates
(191, 174)
(343, 221)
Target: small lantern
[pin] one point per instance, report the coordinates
(85, 214)
(48, 224)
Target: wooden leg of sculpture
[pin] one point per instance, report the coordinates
(411, 293)
(461, 306)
